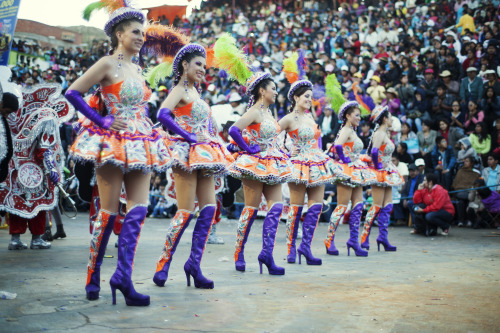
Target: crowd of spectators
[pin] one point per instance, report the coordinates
(435, 64)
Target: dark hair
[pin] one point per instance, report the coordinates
(431, 177)
(10, 101)
(188, 57)
(119, 27)
(254, 94)
(439, 138)
(380, 119)
(484, 132)
(427, 123)
(445, 121)
(470, 158)
(164, 182)
(483, 192)
(298, 92)
(495, 156)
(404, 146)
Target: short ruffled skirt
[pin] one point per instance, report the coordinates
(388, 176)
(269, 167)
(128, 151)
(212, 156)
(354, 174)
(312, 169)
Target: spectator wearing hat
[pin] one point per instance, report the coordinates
(235, 101)
(435, 207)
(443, 162)
(492, 81)
(471, 88)
(452, 86)
(415, 178)
(429, 85)
(451, 42)
(392, 101)
(376, 91)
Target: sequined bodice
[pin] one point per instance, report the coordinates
(127, 100)
(264, 133)
(305, 138)
(194, 117)
(386, 152)
(353, 149)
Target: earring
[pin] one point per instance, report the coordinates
(186, 83)
(135, 60)
(199, 89)
(120, 59)
(262, 105)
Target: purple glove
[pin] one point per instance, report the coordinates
(236, 135)
(164, 116)
(233, 148)
(378, 165)
(75, 98)
(320, 143)
(340, 153)
(50, 166)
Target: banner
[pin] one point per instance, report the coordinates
(8, 20)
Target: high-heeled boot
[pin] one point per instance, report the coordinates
(336, 218)
(308, 228)
(292, 227)
(383, 222)
(247, 217)
(103, 226)
(127, 243)
(174, 233)
(200, 236)
(268, 237)
(372, 214)
(354, 220)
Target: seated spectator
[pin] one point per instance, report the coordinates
(443, 162)
(402, 209)
(471, 87)
(490, 203)
(452, 86)
(451, 134)
(491, 174)
(329, 125)
(162, 207)
(464, 180)
(435, 208)
(408, 137)
(490, 105)
(495, 137)
(402, 153)
(492, 82)
(392, 101)
(406, 93)
(457, 116)
(426, 138)
(473, 117)
(376, 91)
(442, 103)
(419, 111)
(480, 140)
(365, 134)
(429, 85)
(466, 150)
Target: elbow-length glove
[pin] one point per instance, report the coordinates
(164, 116)
(75, 98)
(50, 166)
(236, 135)
(378, 165)
(340, 153)
(233, 148)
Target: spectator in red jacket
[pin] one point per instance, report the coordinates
(435, 208)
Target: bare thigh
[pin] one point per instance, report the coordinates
(297, 193)
(253, 192)
(315, 195)
(205, 190)
(137, 188)
(388, 196)
(109, 182)
(378, 195)
(185, 188)
(272, 193)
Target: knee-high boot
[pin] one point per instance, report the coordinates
(383, 222)
(174, 233)
(336, 218)
(292, 227)
(103, 226)
(372, 214)
(127, 243)
(247, 217)
(308, 228)
(354, 220)
(268, 237)
(200, 236)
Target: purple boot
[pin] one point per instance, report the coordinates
(292, 228)
(336, 218)
(354, 219)
(127, 243)
(308, 228)
(247, 217)
(103, 226)
(200, 236)
(383, 221)
(268, 237)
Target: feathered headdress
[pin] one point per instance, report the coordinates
(334, 93)
(118, 10)
(295, 70)
(231, 59)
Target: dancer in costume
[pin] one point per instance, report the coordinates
(311, 167)
(30, 188)
(260, 163)
(119, 139)
(381, 149)
(196, 151)
(353, 173)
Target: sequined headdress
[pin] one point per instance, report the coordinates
(295, 70)
(119, 10)
(378, 111)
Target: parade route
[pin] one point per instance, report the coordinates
(438, 284)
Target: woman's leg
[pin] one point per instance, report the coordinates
(354, 220)
(297, 196)
(274, 198)
(253, 195)
(383, 221)
(378, 193)
(109, 180)
(185, 192)
(205, 192)
(315, 206)
(344, 193)
(137, 188)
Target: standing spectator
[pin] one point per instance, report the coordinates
(491, 174)
(471, 88)
(436, 208)
(443, 162)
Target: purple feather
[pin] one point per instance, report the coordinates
(301, 64)
(223, 74)
(318, 91)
